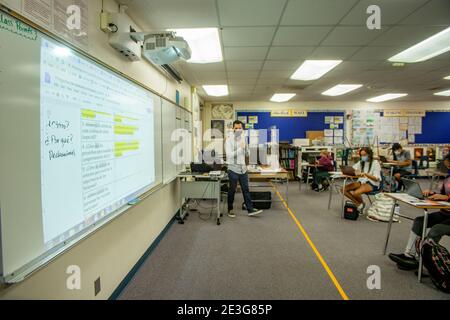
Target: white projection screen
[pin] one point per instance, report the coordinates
(78, 143)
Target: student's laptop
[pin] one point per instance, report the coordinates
(348, 171)
(413, 188)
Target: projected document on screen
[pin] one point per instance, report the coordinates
(97, 142)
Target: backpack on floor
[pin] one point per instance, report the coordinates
(351, 211)
(436, 259)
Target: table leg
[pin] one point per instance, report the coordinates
(307, 177)
(218, 208)
(181, 213)
(331, 186)
(343, 198)
(391, 220)
(391, 180)
(424, 234)
(287, 191)
(301, 177)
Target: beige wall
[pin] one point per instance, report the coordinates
(112, 251)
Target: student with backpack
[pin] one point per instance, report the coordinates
(438, 225)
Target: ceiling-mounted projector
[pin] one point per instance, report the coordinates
(165, 48)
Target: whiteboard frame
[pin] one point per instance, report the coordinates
(50, 255)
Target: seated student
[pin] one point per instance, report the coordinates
(326, 165)
(369, 172)
(402, 159)
(439, 222)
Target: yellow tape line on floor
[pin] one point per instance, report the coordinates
(313, 247)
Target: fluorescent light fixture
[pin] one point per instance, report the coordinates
(61, 52)
(447, 78)
(204, 43)
(282, 97)
(427, 49)
(387, 97)
(341, 89)
(216, 90)
(445, 93)
(314, 69)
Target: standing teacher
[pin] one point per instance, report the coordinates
(236, 152)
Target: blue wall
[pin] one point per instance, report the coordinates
(435, 128)
(293, 128)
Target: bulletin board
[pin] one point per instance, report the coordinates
(292, 127)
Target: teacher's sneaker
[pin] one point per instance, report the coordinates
(231, 214)
(254, 212)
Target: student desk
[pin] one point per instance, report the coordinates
(425, 205)
(200, 186)
(309, 166)
(268, 176)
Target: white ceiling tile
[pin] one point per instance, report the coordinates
(247, 81)
(296, 36)
(207, 67)
(289, 53)
(161, 14)
(391, 11)
(246, 89)
(281, 65)
(434, 13)
(276, 74)
(271, 81)
(243, 74)
(333, 53)
(255, 36)
(250, 12)
(266, 88)
(245, 53)
(405, 36)
(208, 76)
(348, 68)
(375, 53)
(316, 12)
(244, 65)
(350, 36)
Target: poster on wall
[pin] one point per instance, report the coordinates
(222, 111)
(339, 120)
(68, 19)
(242, 119)
(253, 119)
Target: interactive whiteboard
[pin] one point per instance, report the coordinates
(78, 141)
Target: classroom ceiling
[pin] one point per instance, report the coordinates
(265, 41)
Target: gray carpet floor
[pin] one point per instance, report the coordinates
(267, 257)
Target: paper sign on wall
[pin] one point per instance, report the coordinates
(280, 114)
(253, 119)
(299, 114)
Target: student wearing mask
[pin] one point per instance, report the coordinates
(438, 225)
(237, 151)
(369, 172)
(402, 159)
(321, 173)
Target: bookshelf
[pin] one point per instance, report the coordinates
(289, 159)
